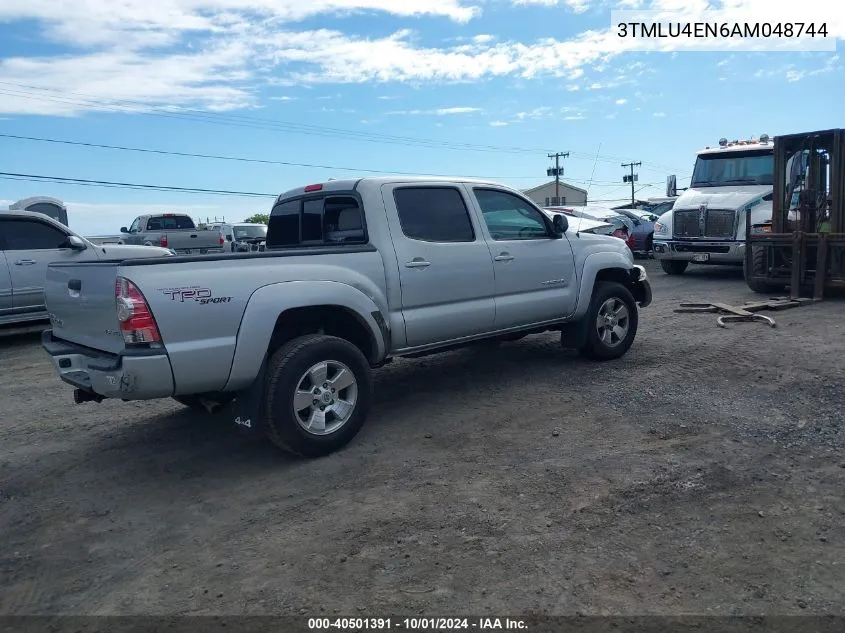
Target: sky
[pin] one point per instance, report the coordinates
(290, 92)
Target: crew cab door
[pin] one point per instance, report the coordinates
(445, 269)
(535, 271)
(30, 244)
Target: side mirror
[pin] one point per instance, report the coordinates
(560, 224)
(123, 229)
(76, 243)
(228, 238)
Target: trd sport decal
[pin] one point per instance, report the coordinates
(193, 293)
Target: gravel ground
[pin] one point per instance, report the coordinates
(700, 474)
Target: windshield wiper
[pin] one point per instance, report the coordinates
(742, 181)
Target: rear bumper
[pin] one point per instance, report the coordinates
(128, 376)
(200, 251)
(715, 252)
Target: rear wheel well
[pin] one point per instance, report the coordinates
(332, 320)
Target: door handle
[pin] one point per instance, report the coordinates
(504, 257)
(417, 262)
(24, 262)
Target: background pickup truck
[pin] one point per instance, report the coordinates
(28, 242)
(175, 231)
(356, 273)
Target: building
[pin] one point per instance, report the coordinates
(544, 195)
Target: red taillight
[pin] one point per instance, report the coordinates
(163, 241)
(137, 323)
(311, 188)
(222, 239)
(630, 242)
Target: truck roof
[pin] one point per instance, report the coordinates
(348, 184)
(740, 146)
(20, 213)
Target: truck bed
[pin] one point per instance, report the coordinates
(199, 318)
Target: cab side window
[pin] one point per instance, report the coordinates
(30, 235)
(509, 217)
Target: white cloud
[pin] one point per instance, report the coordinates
(217, 54)
(436, 111)
(621, 101)
(578, 6)
(537, 113)
(285, 98)
(459, 110)
(792, 73)
(498, 123)
(577, 117)
(659, 115)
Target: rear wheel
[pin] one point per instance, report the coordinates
(673, 266)
(611, 322)
(318, 394)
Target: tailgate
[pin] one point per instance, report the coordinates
(80, 300)
(193, 241)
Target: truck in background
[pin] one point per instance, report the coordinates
(175, 231)
(706, 224)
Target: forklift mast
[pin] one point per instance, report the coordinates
(804, 246)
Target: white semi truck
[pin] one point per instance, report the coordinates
(706, 225)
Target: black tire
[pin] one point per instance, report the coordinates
(758, 261)
(673, 266)
(287, 368)
(596, 348)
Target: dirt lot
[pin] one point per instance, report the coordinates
(703, 473)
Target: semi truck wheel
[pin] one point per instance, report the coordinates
(673, 266)
(317, 396)
(612, 321)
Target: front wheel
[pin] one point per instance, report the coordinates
(673, 266)
(611, 322)
(317, 395)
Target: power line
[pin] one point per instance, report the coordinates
(124, 106)
(149, 150)
(129, 185)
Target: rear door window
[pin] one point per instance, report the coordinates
(433, 214)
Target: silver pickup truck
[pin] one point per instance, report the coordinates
(29, 241)
(356, 273)
(173, 230)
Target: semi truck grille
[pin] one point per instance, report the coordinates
(714, 223)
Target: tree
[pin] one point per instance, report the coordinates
(259, 218)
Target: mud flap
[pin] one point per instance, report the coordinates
(248, 406)
(573, 335)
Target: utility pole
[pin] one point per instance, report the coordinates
(632, 178)
(557, 172)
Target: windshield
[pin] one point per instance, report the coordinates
(249, 231)
(734, 168)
